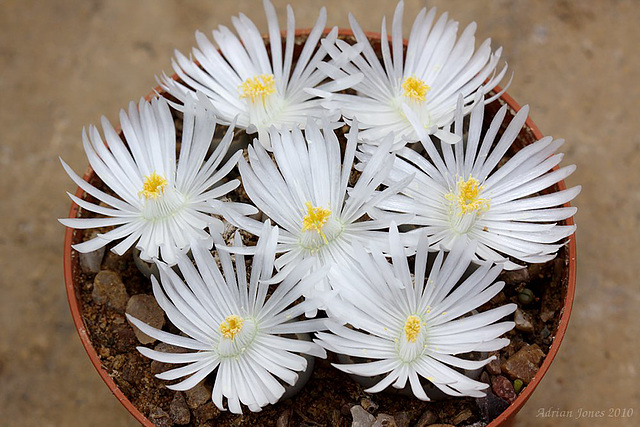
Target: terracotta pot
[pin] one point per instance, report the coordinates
(529, 134)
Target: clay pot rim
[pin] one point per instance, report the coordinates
(503, 419)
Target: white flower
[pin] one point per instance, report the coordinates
(261, 87)
(415, 94)
(232, 325)
(411, 327)
(460, 195)
(160, 205)
(304, 189)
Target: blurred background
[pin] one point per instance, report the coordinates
(65, 63)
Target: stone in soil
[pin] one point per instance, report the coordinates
(524, 364)
(491, 406)
(368, 405)
(197, 396)
(157, 367)
(114, 262)
(503, 388)
(145, 308)
(403, 419)
(206, 412)
(462, 416)
(361, 418)
(523, 321)
(179, 410)
(385, 420)
(427, 418)
(515, 277)
(109, 290)
(493, 367)
(160, 418)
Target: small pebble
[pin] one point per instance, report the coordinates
(179, 410)
(368, 405)
(493, 367)
(206, 412)
(361, 418)
(157, 367)
(503, 388)
(523, 321)
(427, 418)
(385, 420)
(109, 290)
(515, 277)
(145, 308)
(499, 299)
(403, 419)
(160, 418)
(491, 406)
(462, 416)
(114, 262)
(197, 396)
(524, 363)
(544, 333)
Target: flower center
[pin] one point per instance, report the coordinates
(467, 197)
(231, 326)
(315, 219)
(257, 87)
(415, 89)
(412, 328)
(153, 186)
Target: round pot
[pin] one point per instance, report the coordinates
(529, 134)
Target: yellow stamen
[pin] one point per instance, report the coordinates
(315, 219)
(258, 87)
(467, 197)
(153, 186)
(415, 88)
(231, 326)
(412, 328)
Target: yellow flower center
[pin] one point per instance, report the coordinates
(412, 328)
(258, 87)
(468, 196)
(231, 326)
(153, 186)
(415, 89)
(315, 219)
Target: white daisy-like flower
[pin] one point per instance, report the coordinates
(304, 189)
(414, 94)
(260, 85)
(162, 204)
(405, 326)
(232, 326)
(463, 193)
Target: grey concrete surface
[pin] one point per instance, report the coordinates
(65, 63)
